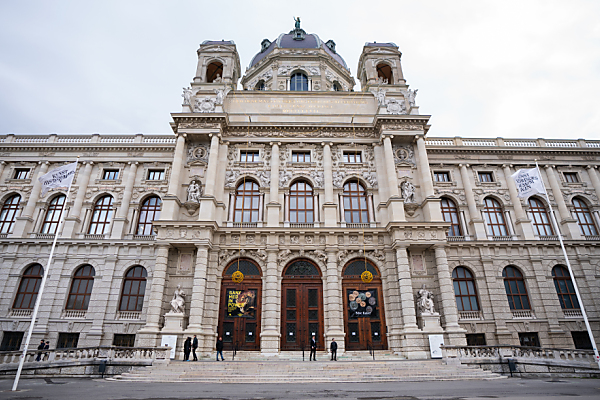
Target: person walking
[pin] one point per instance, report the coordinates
(333, 348)
(220, 348)
(187, 346)
(313, 348)
(194, 347)
(40, 347)
(46, 347)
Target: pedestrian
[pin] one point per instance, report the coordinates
(220, 348)
(194, 347)
(333, 348)
(40, 347)
(313, 348)
(47, 347)
(187, 346)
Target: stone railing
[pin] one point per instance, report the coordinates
(572, 313)
(523, 314)
(74, 314)
(500, 142)
(128, 315)
(470, 315)
(21, 312)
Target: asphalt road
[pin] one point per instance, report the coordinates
(87, 389)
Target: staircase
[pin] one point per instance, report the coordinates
(346, 370)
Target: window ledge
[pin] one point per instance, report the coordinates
(11, 181)
(20, 312)
(572, 313)
(523, 314)
(108, 181)
(592, 237)
(470, 315)
(94, 236)
(128, 315)
(74, 314)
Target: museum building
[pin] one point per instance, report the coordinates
(286, 205)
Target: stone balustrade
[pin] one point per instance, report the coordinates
(499, 142)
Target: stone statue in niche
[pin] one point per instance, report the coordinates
(380, 96)
(194, 191)
(187, 96)
(408, 192)
(425, 301)
(218, 79)
(221, 93)
(410, 96)
(178, 302)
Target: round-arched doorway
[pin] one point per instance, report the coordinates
(364, 316)
(301, 305)
(239, 310)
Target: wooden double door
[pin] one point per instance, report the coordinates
(239, 315)
(302, 314)
(364, 315)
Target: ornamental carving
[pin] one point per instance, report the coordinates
(197, 125)
(318, 178)
(404, 155)
(406, 126)
(204, 105)
(394, 106)
(264, 177)
(198, 153)
(310, 134)
(338, 178)
(371, 178)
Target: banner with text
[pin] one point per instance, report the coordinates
(60, 177)
(529, 182)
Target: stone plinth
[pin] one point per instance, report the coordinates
(430, 322)
(173, 323)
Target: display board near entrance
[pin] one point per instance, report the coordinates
(362, 303)
(241, 303)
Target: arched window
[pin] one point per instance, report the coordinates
(245, 266)
(214, 72)
(260, 85)
(81, 288)
(564, 288)
(541, 219)
(355, 203)
(29, 287)
(101, 216)
(337, 87)
(301, 203)
(516, 292)
(9, 213)
(464, 290)
(134, 288)
(53, 213)
(450, 213)
(247, 202)
(299, 82)
(384, 73)
(494, 217)
(584, 218)
(149, 212)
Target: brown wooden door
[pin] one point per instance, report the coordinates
(239, 316)
(364, 315)
(302, 314)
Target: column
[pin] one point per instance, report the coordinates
(329, 207)
(593, 173)
(395, 202)
(74, 217)
(170, 205)
(333, 298)
(120, 220)
(572, 229)
(269, 336)
(23, 221)
(157, 290)
(446, 288)
(198, 294)
(207, 202)
(407, 301)
(316, 209)
(522, 221)
(274, 208)
(431, 206)
(100, 295)
(2, 165)
(382, 187)
(476, 221)
(47, 308)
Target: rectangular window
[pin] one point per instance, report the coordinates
(476, 339)
(21, 173)
(529, 339)
(156, 174)
(581, 340)
(486, 177)
(571, 177)
(441, 176)
(301, 156)
(249, 156)
(11, 341)
(124, 340)
(352, 157)
(110, 174)
(67, 340)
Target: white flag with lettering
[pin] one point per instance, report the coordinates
(58, 178)
(529, 182)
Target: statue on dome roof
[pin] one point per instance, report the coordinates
(297, 19)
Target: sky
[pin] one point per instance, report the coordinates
(484, 69)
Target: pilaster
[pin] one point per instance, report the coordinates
(270, 336)
(476, 222)
(23, 222)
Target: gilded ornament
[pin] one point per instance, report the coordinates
(237, 277)
(366, 277)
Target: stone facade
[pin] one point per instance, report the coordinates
(330, 138)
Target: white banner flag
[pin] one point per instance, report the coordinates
(529, 182)
(58, 178)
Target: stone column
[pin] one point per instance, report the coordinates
(269, 336)
(522, 221)
(207, 202)
(100, 295)
(2, 165)
(593, 173)
(333, 297)
(572, 229)
(196, 312)
(476, 222)
(382, 178)
(157, 290)
(48, 309)
(274, 208)
(23, 222)
(120, 221)
(74, 218)
(329, 207)
(446, 288)
(395, 203)
(220, 183)
(170, 207)
(431, 205)
(407, 301)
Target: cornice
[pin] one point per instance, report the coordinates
(103, 147)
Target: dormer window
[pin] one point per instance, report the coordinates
(331, 45)
(299, 82)
(260, 86)
(264, 45)
(337, 87)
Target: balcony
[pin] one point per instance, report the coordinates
(523, 314)
(128, 315)
(21, 312)
(48, 236)
(593, 237)
(470, 315)
(297, 225)
(501, 238)
(94, 237)
(74, 314)
(144, 237)
(573, 313)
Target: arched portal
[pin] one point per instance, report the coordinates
(239, 310)
(364, 316)
(301, 306)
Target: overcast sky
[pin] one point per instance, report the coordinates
(483, 68)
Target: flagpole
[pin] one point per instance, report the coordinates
(562, 245)
(41, 291)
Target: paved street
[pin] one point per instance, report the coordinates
(530, 389)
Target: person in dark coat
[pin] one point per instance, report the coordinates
(220, 348)
(187, 347)
(313, 348)
(194, 347)
(333, 348)
(46, 347)
(40, 347)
